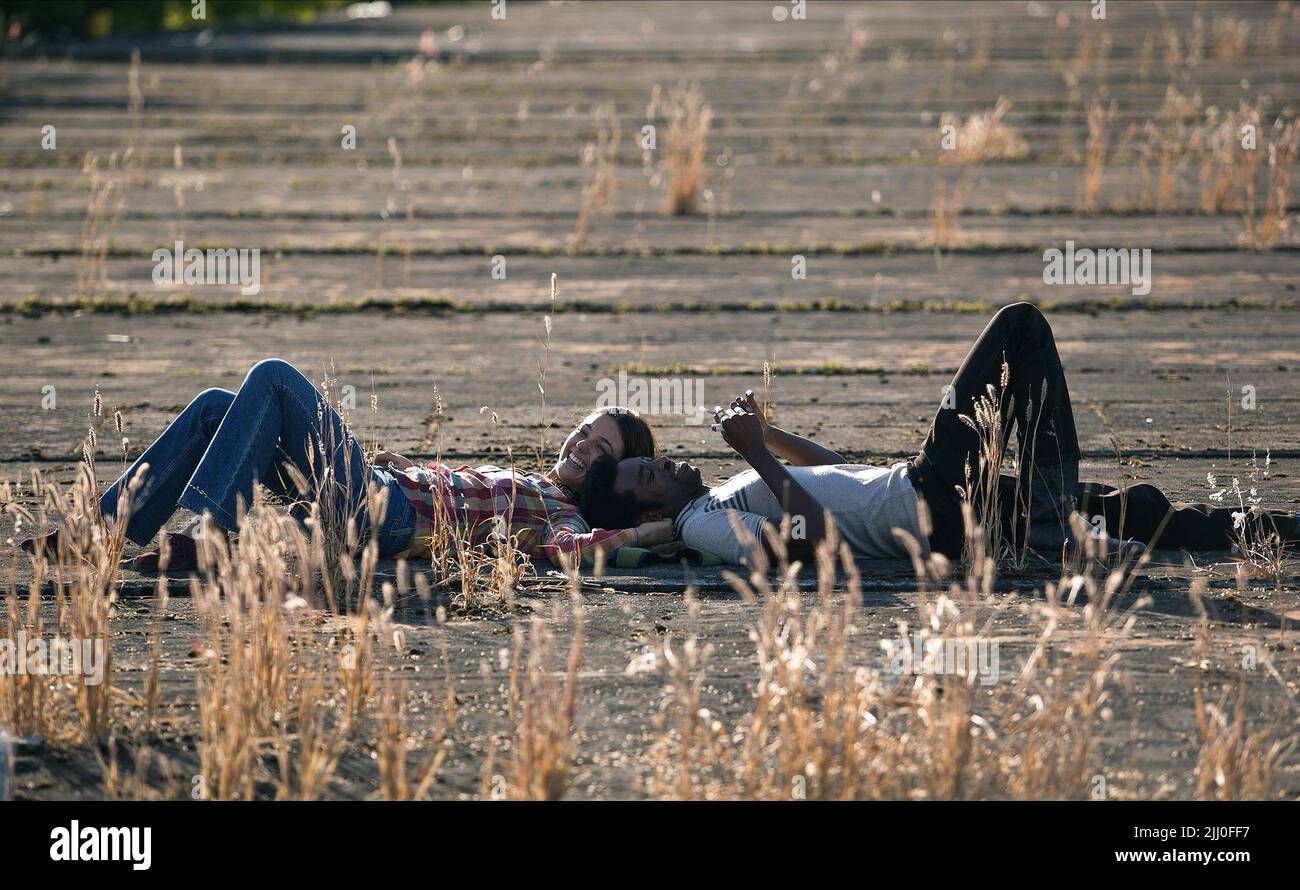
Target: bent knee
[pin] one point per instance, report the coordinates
(276, 375)
(1021, 313)
(214, 398)
(270, 366)
(1143, 493)
(1146, 490)
(273, 372)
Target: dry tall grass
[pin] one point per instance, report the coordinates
(1237, 150)
(80, 579)
(685, 142)
(599, 162)
(1231, 37)
(281, 683)
(1227, 168)
(963, 149)
(1100, 117)
(1236, 760)
(1273, 222)
(1237, 155)
(108, 180)
(829, 722)
(1176, 111)
(107, 193)
(543, 708)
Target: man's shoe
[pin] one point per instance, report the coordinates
(183, 556)
(1083, 542)
(1050, 503)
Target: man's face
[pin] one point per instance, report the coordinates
(668, 484)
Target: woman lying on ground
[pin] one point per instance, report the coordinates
(868, 503)
(210, 456)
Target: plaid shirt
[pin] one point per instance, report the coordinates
(540, 514)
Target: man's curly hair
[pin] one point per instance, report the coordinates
(601, 505)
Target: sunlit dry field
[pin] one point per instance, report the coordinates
(803, 212)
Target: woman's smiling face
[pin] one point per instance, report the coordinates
(598, 434)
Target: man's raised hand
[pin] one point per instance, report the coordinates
(741, 428)
(751, 402)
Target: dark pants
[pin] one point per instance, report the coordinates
(1139, 512)
(1036, 402)
(1144, 512)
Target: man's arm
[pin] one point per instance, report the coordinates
(798, 450)
(743, 431)
(795, 501)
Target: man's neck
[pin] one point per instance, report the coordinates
(698, 493)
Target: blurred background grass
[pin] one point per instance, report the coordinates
(64, 19)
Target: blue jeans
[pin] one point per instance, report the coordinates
(209, 457)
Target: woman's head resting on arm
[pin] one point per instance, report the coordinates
(618, 432)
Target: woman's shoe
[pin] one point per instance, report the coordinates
(48, 544)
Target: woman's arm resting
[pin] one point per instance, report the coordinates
(574, 541)
(654, 533)
(392, 460)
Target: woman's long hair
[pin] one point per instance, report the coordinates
(638, 437)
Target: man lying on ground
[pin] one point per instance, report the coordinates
(868, 503)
